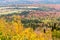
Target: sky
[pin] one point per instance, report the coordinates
(3, 2)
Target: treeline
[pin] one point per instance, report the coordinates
(48, 22)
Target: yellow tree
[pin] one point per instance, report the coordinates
(17, 24)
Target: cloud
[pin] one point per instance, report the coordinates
(28, 1)
(54, 1)
(11, 0)
(8, 0)
(34, 0)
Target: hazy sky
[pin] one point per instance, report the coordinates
(30, 1)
